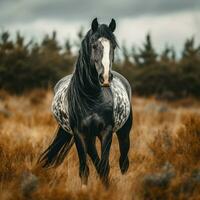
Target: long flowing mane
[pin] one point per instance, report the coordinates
(84, 89)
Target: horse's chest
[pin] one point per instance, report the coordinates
(121, 104)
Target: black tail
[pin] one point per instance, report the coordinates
(58, 149)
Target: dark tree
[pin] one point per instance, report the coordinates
(50, 43)
(147, 55)
(80, 35)
(68, 47)
(168, 55)
(125, 54)
(189, 50)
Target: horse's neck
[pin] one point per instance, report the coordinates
(86, 84)
(83, 97)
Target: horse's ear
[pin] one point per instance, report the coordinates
(95, 25)
(112, 25)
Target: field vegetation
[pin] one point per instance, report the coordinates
(164, 154)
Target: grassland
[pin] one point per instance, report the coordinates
(164, 154)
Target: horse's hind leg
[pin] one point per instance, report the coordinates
(104, 167)
(124, 144)
(82, 154)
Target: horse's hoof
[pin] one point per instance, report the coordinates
(124, 165)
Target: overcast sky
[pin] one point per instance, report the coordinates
(168, 21)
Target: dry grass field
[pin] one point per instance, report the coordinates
(164, 154)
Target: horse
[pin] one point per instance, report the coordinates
(92, 102)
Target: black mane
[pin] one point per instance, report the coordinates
(84, 89)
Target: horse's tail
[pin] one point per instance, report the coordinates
(57, 150)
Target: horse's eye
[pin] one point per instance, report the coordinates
(94, 46)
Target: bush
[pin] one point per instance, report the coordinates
(27, 66)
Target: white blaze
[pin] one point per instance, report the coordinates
(106, 58)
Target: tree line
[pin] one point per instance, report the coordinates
(28, 65)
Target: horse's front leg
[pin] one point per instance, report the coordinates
(124, 144)
(104, 166)
(92, 152)
(81, 147)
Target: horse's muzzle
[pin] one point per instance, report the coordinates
(105, 82)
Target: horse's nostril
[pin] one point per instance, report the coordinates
(110, 77)
(101, 78)
(104, 82)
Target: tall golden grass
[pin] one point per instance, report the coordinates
(164, 154)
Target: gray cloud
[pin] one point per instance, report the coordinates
(24, 11)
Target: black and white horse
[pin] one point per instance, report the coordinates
(94, 101)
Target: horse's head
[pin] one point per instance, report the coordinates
(102, 45)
